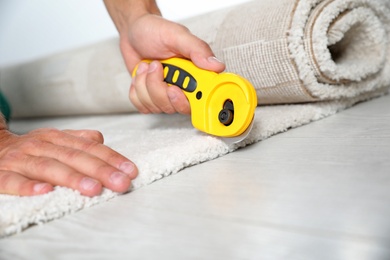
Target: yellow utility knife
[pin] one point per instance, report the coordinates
(221, 104)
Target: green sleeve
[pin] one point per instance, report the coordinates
(4, 107)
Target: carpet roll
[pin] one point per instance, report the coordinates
(83, 81)
(303, 50)
(293, 51)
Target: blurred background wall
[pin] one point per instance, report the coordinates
(33, 29)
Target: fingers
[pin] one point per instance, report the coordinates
(157, 89)
(16, 184)
(139, 93)
(71, 145)
(72, 166)
(179, 100)
(150, 94)
(48, 170)
(33, 163)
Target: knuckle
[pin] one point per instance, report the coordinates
(72, 154)
(45, 131)
(103, 168)
(113, 159)
(72, 180)
(202, 44)
(155, 110)
(183, 29)
(53, 132)
(16, 186)
(13, 154)
(31, 145)
(40, 164)
(93, 135)
(89, 146)
(102, 171)
(11, 158)
(97, 133)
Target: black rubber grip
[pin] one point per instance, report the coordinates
(192, 84)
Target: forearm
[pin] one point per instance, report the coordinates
(124, 12)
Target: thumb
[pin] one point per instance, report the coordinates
(207, 62)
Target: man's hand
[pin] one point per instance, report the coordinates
(31, 164)
(144, 34)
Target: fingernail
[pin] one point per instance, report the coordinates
(39, 187)
(152, 66)
(214, 59)
(142, 67)
(88, 183)
(127, 167)
(118, 178)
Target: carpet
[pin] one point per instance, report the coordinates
(307, 59)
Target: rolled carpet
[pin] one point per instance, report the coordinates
(292, 51)
(303, 50)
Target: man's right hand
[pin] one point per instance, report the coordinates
(144, 34)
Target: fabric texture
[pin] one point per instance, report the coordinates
(303, 51)
(327, 55)
(160, 145)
